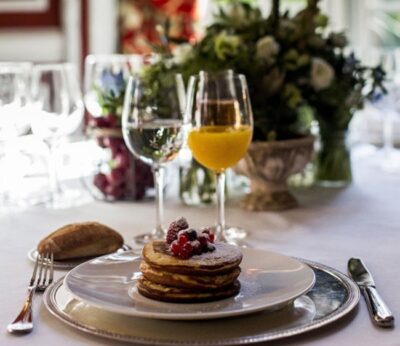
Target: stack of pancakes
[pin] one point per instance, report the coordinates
(206, 277)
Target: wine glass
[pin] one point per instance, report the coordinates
(222, 127)
(388, 106)
(107, 74)
(14, 99)
(57, 111)
(119, 175)
(153, 129)
(14, 105)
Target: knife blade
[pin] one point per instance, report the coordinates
(379, 311)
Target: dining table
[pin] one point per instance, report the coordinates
(329, 226)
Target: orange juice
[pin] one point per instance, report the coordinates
(219, 147)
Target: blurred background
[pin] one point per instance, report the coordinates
(67, 31)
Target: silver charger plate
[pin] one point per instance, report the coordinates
(71, 263)
(333, 296)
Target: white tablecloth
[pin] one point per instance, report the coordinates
(329, 227)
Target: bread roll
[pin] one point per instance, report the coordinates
(86, 239)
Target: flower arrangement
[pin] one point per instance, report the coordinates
(296, 70)
(291, 63)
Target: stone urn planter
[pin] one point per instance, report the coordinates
(268, 165)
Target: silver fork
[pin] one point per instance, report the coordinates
(42, 277)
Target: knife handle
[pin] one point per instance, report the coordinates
(378, 309)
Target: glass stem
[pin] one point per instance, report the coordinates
(387, 133)
(220, 206)
(53, 175)
(158, 173)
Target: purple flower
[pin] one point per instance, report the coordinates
(112, 83)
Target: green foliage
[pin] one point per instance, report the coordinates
(290, 62)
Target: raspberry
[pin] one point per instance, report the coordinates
(174, 228)
(202, 240)
(183, 239)
(197, 247)
(175, 247)
(211, 237)
(206, 230)
(188, 247)
(184, 253)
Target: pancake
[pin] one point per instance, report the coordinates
(180, 295)
(197, 282)
(224, 259)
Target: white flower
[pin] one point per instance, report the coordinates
(267, 49)
(131, 16)
(237, 14)
(322, 74)
(182, 53)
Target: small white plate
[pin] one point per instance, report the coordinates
(268, 280)
(69, 263)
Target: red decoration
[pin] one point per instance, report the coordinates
(139, 19)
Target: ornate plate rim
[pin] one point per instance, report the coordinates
(348, 305)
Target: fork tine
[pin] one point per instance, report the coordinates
(46, 268)
(34, 270)
(41, 263)
(51, 268)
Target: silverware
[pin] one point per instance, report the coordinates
(379, 311)
(44, 271)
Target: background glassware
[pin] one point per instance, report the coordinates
(222, 125)
(388, 105)
(120, 176)
(153, 129)
(14, 108)
(111, 72)
(57, 109)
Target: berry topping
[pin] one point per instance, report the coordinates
(175, 247)
(174, 229)
(183, 239)
(185, 242)
(202, 240)
(192, 233)
(197, 247)
(206, 230)
(209, 248)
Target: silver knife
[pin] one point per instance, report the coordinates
(378, 309)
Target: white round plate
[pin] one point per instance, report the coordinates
(268, 280)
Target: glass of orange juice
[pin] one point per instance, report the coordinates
(222, 127)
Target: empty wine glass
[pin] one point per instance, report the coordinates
(387, 104)
(57, 109)
(222, 127)
(111, 72)
(120, 176)
(14, 107)
(153, 129)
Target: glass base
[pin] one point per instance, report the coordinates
(389, 160)
(143, 239)
(233, 235)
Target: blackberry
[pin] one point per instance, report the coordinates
(209, 248)
(192, 234)
(175, 227)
